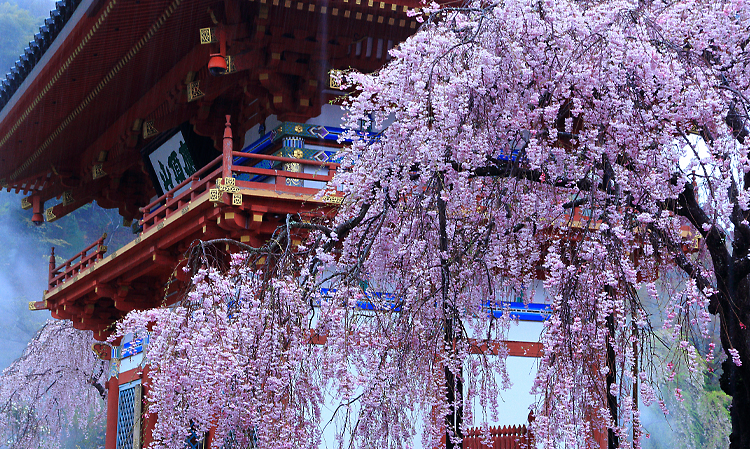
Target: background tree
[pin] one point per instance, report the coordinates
(24, 253)
(599, 98)
(698, 417)
(18, 26)
(20, 20)
(57, 382)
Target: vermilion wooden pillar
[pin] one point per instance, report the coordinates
(148, 420)
(113, 393)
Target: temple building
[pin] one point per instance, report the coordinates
(195, 119)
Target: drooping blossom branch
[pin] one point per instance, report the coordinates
(56, 383)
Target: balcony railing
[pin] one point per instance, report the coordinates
(175, 199)
(259, 178)
(245, 174)
(71, 267)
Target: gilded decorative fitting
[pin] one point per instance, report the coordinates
(236, 199)
(26, 203)
(227, 185)
(194, 91)
(208, 36)
(98, 171)
(49, 215)
(333, 199)
(149, 130)
(231, 68)
(334, 78)
(214, 195)
(67, 198)
(102, 350)
(38, 305)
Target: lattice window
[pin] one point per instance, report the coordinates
(231, 441)
(129, 417)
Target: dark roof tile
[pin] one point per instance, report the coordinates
(33, 53)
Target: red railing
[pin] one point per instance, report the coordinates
(172, 201)
(505, 437)
(76, 264)
(281, 176)
(205, 179)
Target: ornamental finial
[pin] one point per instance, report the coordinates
(228, 128)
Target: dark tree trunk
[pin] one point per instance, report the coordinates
(733, 383)
(731, 300)
(453, 381)
(454, 419)
(613, 441)
(734, 379)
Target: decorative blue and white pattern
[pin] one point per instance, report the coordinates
(133, 347)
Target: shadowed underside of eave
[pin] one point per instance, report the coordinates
(126, 68)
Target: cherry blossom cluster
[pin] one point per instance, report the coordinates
(235, 357)
(561, 140)
(56, 383)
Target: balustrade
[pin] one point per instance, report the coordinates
(71, 267)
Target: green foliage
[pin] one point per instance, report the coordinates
(19, 21)
(40, 9)
(18, 27)
(700, 420)
(69, 234)
(90, 437)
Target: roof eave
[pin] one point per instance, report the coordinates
(26, 73)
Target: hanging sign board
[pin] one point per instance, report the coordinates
(172, 162)
(175, 155)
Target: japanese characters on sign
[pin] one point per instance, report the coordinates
(172, 162)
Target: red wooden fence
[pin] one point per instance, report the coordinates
(71, 267)
(505, 437)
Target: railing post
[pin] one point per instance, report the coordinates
(51, 268)
(100, 248)
(226, 163)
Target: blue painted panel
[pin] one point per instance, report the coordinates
(524, 312)
(517, 309)
(133, 347)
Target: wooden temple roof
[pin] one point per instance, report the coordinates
(109, 79)
(104, 77)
